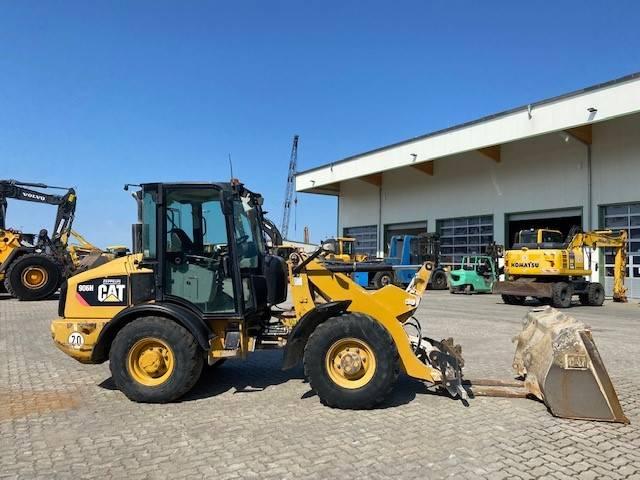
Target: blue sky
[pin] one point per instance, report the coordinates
(96, 94)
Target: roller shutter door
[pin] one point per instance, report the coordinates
(618, 217)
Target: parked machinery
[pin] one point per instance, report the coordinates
(407, 253)
(202, 291)
(545, 266)
(32, 266)
(477, 273)
(202, 288)
(344, 250)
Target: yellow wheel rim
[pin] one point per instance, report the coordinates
(350, 363)
(150, 362)
(34, 277)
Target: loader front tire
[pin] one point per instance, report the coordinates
(33, 277)
(594, 295)
(351, 362)
(562, 293)
(155, 360)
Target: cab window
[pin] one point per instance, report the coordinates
(528, 236)
(248, 237)
(548, 236)
(149, 224)
(196, 249)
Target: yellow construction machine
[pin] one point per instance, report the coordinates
(32, 266)
(542, 264)
(343, 250)
(200, 288)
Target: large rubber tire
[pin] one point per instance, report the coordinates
(439, 280)
(363, 328)
(188, 360)
(562, 293)
(382, 279)
(18, 270)
(513, 299)
(594, 296)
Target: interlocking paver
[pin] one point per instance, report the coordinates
(61, 419)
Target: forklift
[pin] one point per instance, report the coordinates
(477, 273)
(407, 253)
(201, 287)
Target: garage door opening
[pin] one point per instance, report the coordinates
(410, 228)
(554, 220)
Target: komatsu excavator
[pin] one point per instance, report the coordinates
(544, 266)
(32, 266)
(200, 288)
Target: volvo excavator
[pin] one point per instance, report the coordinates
(32, 266)
(201, 287)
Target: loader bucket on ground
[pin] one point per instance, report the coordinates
(562, 367)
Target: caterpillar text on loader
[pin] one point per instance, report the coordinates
(32, 267)
(201, 290)
(544, 266)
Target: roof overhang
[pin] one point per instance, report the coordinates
(571, 112)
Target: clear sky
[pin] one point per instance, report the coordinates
(94, 94)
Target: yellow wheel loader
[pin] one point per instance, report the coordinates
(343, 250)
(200, 288)
(545, 266)
(32, 266)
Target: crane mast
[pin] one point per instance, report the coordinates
(289, 192)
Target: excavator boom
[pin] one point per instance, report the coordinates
(617, 240)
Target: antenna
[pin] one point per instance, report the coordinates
(231, 167)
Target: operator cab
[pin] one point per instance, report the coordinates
(206, 247)
(539, 238)
(482, 265)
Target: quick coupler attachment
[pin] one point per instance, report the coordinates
(446, 357)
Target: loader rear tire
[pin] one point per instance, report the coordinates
(513, 299)
(33, 277)
(155, 360)
(562, 293)
(330, 353)
(594, 296)
(382, 279)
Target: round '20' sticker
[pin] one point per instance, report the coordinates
(76, 339)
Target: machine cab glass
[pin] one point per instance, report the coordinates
(205, 243)
(196, 245)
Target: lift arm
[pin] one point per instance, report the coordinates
(611, 239)
(66, 205)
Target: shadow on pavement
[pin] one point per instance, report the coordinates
(263, 370)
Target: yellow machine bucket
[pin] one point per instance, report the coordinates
(561, 365)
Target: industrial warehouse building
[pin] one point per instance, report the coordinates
(569, 160)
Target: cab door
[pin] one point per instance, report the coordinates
(197, 266)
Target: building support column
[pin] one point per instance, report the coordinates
(380, 228)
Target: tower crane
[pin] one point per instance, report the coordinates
(289, 197)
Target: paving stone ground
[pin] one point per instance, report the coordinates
(61, 419)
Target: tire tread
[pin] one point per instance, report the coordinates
(185, 343)
(350, 322)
